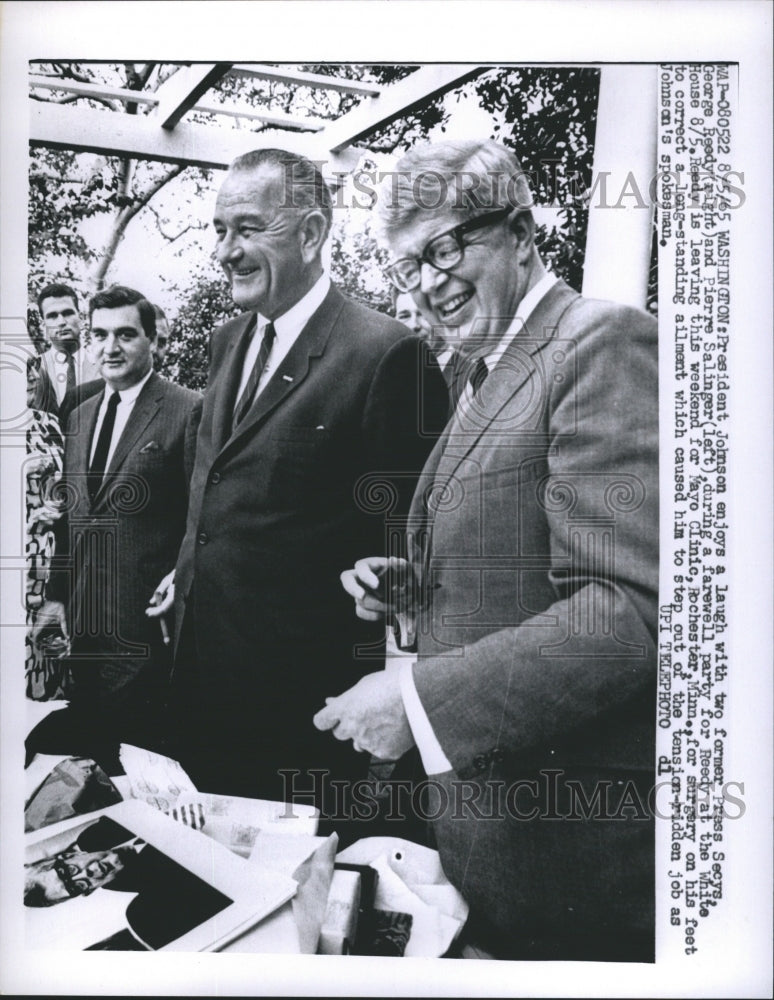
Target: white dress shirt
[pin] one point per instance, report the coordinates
(287, 329)
(123, 412)
(434, 760)
(58, 369)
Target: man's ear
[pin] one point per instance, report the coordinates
(522, 224)
(313, 233)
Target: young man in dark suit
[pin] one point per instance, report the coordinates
(535, 579)
(125, 495)
(309, 394)
(65, 364)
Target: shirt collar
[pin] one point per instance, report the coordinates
(525, 309)
(60, 356)
(290, 324)
(129, 395)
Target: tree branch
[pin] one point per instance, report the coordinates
(173, 238)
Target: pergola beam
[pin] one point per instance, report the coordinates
(113, 134)
(396, 100)
(182, 90)
(300, 78)
(94, 90)
(252, 113)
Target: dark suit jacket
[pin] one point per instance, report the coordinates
(113, 553)
(73, 399)
(45, 393)
(537, 640)
(277, 511)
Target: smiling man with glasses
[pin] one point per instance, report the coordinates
(530, 596)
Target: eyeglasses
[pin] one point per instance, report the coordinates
(443, 252)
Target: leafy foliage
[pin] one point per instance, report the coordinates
(207, 305)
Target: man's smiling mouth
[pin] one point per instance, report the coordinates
(447, 309)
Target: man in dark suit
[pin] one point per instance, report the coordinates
(308, 393)
(66, 363)
(125, 493)
(532, 589)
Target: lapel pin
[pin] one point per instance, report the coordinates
(288, 378)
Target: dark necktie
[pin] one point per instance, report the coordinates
(97, 468)
(70, 384)
(246, 399)
(478, 375)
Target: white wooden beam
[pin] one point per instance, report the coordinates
(183, 89)
(620, 228)
(114, 134)
(302, 79)
(396, 100)
(252, 113)
(93, 90)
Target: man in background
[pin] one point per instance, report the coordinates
(161, 343)
(66, 364)
(406, 310)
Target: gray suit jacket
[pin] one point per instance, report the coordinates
(535, 533)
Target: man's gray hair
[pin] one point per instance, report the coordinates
(304, 185)
(470, 176)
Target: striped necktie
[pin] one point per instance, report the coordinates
(246, 399)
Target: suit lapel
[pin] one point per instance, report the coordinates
(79, 444)
(144, 410)
(310, 343)
(231, 367)
(514, 370)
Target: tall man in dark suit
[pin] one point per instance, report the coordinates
(125, 496)
(532, 588)
(308, 393)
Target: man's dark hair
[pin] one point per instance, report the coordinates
(35, 895)
(56, 290)
(119, 295)
(304, 184)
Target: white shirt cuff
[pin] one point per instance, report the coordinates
(434, 760)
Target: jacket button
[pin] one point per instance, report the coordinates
(203, 538)
(215, 478)
(497, 756)
(479, 761)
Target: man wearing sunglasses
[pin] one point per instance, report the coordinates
(530, 595)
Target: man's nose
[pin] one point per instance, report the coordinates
(430, 277)
(227, 249)
(110, 343)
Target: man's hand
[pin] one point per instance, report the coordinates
(163, 597)
(371, 714)
(48, 614)
(161, 602)
(380, 586)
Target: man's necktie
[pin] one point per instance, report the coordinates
(478, 375)
(246, 399)
(70, 384)
(97, 468)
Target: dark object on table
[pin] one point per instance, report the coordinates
(391, 933)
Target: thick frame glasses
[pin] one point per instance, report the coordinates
(444, 252)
